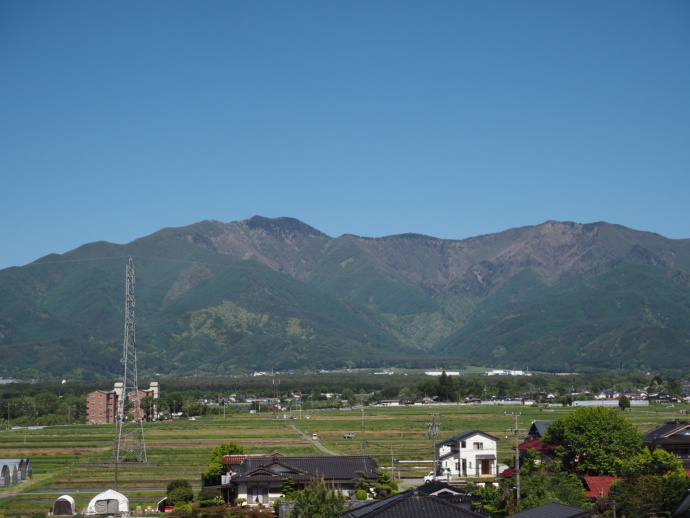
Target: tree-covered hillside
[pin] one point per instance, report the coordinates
(220, 298)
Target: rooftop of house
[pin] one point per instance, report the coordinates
(553, 510)
(668, 429)
(411, 504)
(304, 468)
(596, 487)
(466, 435)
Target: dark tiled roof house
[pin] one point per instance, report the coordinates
(553, 510)
(673, 437)
(411, 504)
(258, 478)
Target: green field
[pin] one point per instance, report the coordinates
(63, 456)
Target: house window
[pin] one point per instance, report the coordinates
(463, 444)
(478, 445)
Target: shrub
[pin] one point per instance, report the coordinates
(208, 495)
(178, 482)
(361, 494)
(180, 495)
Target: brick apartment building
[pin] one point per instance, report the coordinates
(101, 405)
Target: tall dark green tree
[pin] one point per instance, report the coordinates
(446, 388)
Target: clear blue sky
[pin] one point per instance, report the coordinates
(446, 118)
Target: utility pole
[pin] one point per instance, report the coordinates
(433, 432)
(516, 431)
(129, 434)
(276, 404)
(361, 439)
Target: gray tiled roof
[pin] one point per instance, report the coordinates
(669, 428)
(344, 467)
(410, 504)
(539, 428)
(553, 510)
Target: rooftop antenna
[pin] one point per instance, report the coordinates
(129, 427)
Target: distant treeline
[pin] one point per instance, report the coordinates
(53, 403)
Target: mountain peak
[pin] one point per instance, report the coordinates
(282, 224)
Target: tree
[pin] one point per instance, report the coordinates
(349, 395)
(214, 468)
(655, 495)
(148, 406)
(446, 387)
(181, 495)
(318, 500)
(657, 462)
(428, 387)
(591, 440)
(474, 387)
(362, 482)
(540, 484)
(177, 482)
(179, 491)
(623, 402)
(196, 408)
(175, 402)
(287, 487)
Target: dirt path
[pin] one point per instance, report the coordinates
(316, 443)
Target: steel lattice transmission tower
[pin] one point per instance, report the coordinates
(129, 435)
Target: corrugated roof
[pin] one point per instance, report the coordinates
(233, 459)
(535, 444)
(598, 486)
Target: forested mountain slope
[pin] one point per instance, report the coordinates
(223, 298)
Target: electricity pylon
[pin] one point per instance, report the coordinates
(129, 426)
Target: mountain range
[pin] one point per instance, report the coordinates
(217, 298)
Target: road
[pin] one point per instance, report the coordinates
(316, 443)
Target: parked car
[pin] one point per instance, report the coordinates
(349, 436)
(430, 477)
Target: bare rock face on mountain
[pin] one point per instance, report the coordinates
(276, 293)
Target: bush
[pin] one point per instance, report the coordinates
(361, 494)
(180, 495)
(208, 495)
(178, 482)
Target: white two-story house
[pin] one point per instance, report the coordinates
(468, 454)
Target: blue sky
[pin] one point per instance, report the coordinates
(446, 118)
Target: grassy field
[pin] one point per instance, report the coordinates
(63, 457)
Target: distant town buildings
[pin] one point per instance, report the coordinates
(101, 405)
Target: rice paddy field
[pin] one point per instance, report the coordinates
(75, 459)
